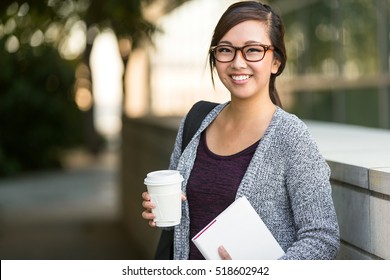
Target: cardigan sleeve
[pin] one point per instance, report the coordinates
(176, 153)
(309, 190)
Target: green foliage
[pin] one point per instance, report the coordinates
(338, 31)
(339, 40)
(38, 116)
(360, 106)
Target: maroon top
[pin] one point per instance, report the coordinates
(212, 186)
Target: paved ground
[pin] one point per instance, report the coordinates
(69, 214)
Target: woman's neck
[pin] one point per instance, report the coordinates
(249, 110)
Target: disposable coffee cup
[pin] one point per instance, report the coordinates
(164, 188)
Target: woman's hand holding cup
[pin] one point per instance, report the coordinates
(148, 205)
(147, 214)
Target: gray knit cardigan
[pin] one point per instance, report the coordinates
(287, 182)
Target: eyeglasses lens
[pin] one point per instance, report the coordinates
(228, 53)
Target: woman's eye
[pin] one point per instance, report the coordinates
(253, 50)
(224, 50)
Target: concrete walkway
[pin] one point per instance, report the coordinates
(69, 214)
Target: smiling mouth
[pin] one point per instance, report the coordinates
(240, 77)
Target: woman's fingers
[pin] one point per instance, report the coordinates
(145, 196)
(148, 205)
(147, 215)
(223, 253)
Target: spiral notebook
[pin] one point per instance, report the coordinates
(241, 231)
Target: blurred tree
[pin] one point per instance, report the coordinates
(38, 114)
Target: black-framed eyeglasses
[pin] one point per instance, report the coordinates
(251, 53)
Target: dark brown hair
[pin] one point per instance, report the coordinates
(253, 10)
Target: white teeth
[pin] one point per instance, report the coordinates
(240, 78)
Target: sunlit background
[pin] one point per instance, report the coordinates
(173, 71)
(77, 74)
(167, 76)
(171, 75)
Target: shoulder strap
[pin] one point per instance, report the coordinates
(194, 118)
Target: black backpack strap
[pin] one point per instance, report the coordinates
(193, 120)
(164, 249)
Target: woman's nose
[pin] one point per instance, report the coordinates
(239, 61)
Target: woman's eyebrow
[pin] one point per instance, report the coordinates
(225, 43)
(251, 42)
(246, 43)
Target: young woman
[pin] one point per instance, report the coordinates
(251, 147)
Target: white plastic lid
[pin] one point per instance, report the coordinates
(163, 177)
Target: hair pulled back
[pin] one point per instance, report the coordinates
(253, 10)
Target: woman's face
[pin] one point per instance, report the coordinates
(242, 78)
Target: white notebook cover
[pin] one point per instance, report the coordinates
(241, 231)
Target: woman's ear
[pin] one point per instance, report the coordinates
(275, 66)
